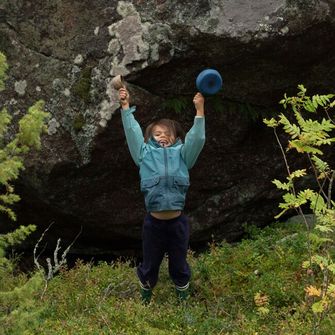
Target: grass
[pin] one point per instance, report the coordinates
(253, 287)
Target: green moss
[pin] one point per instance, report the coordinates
(105, 298)
(3, 69)
(5, 44)
(217, 104)
(302, 4)
(82, 87)
(78, 122)
(213, 23)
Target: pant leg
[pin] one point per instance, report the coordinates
(154, 248)
(178, 242)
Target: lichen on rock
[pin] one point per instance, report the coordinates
(135, 44)
(71, 51)
(20, 87)
(52, 126)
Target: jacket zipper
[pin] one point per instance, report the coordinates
(166, 166)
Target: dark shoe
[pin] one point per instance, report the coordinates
(183, 292)
(146, 294)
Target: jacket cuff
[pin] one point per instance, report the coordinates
(129, 110)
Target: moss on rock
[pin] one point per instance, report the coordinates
(82, 87)
(78, 122)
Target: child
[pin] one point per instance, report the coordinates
(164, 161)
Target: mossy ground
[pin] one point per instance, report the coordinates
(104, 298)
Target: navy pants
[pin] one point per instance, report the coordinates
(162, 237)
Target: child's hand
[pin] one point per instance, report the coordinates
(124, 98)
(199, 102)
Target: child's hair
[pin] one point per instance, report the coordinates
(174, 127)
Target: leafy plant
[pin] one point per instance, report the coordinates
(308, 137)
(16, 300)
(249, 287)
(176, 104)
(219, 105)
(3, 69)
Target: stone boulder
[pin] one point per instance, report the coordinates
(67, 52)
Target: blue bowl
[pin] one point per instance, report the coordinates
(209, 82)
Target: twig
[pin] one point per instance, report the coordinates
(39, 267)
(330, 189)
(52, 269)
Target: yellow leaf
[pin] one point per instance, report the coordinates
(261, 299)
(313, 291)
(322, 175)
(263, 310)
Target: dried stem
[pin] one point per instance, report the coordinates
(52, 269)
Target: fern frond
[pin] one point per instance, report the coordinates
(322, 100)
(302, 90)
(304, 196)
(272, 123)
(297, 174)
(320, 165)
(301, 147)
(300, 119)
(320, 129)
(327, 125)
(327, 141)
(291, 201)
(317, 203)
(282, 186)
(324, 229)
(309, 105)
(318, 240)
(176, 105)
(289, 128)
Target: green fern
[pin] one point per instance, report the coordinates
(297, 174)
(308, 137)
(282, 186)
(289, 128)
(177, 105)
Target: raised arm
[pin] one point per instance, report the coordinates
(131, 127)
(195, 138)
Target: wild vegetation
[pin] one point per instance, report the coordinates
(15, 294)
(257, 286)
(277, 280)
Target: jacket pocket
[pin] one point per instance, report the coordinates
(181, 181)
(148, 183)
(181, 185)
(152, 192)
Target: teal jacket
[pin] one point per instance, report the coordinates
(163, 170)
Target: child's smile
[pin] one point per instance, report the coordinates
(163, 136)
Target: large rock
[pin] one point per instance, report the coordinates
(67, 52)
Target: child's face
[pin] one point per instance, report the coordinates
(163, 136)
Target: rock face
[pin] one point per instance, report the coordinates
(67, 52)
